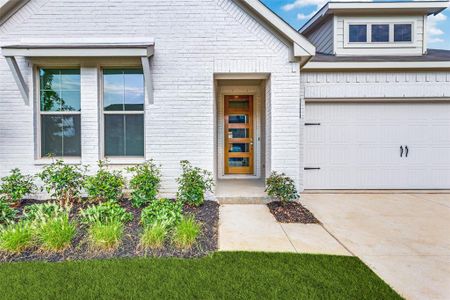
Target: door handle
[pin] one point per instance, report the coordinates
(401, 151)
(407, 151)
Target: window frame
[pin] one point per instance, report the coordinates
(39, 158)
(369, 44)
(103, 112)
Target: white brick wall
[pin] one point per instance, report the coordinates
(194, 39)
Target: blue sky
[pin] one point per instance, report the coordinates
(297, 12)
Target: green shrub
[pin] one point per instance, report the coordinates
(7, 213)
(42, 211)
(154, 236)
(186, 233)
(165, 212)
(62, 181)
(281, 187)
(56, 233)
(193, 183)
(17, 237)
(105, 185)
(105, 212)
(145, 183)
(16, 185)
(105, 236)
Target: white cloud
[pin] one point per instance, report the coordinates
(434, 31)
(306, 17)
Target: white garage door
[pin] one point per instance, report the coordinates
(377, 146)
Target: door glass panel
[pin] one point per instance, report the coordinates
(238, 119)
(237, 133)
(239, 104)
(238, 162)
(240, 147)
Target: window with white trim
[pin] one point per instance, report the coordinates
(123, 112)
(59, 112)
(376, 33)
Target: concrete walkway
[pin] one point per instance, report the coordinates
(404, 238)
(251, 227)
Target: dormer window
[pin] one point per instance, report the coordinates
(374, 34)
(380, 33)
(358, 33)
(402, 33)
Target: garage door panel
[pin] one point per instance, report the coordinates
(357, 146)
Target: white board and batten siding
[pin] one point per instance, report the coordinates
(365, 118)
(193, 41)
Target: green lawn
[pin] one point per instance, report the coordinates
(221, 276)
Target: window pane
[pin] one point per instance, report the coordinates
(60, 135)
(134, 135)
(123, 90)
(60, 89)
(242, 119)
(241, 104)
(238, 162)
(240, 147)
(237, 133)
(113, 86)
(134, 90)
(380, 33)
(358, 33)
(124, 135)
(402, 32)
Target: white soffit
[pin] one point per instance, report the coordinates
(316, 66)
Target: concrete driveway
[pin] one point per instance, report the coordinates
(404, 238)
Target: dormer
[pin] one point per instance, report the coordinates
(372, 28)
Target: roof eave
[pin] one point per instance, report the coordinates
(388, 65)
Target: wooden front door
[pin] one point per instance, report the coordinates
(238, 135)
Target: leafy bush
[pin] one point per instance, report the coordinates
(164, 212)
(154, 236)
(56, 233)
(281, 187)
(16, 185)
(17, 237)
(7, 213)
(42, 211)
(105, 185)
(62, 181)
(107, 235)
(145, 183)
(193, 183)
(105, 212)
(186, 233)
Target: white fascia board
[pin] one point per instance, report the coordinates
(274, 20)
(376, 65)
(77, 52)
(429, 6)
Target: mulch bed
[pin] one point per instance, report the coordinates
(291, 212)
(207, 215)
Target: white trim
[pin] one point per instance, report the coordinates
(18, 78)
(302, 47)
(77, 52)
(376, 100)
(146, 67)
(377, 65)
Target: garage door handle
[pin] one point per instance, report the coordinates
(407, 151)
(401, 151)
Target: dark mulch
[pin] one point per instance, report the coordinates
(207, 215)
(291, 212)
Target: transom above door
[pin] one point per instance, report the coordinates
(238, 137)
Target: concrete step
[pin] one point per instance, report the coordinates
(243, 200)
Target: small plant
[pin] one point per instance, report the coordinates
(42, 211)
(105, 185)
(154, 236)
(162, 211)
(186, 233)
(105, 212)
(62, 181)
(193, 183)
(7, 213)
(56, 233)
(17, 237)
(281, 187)
(145, 183)
(106, 235)
(15, 186)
